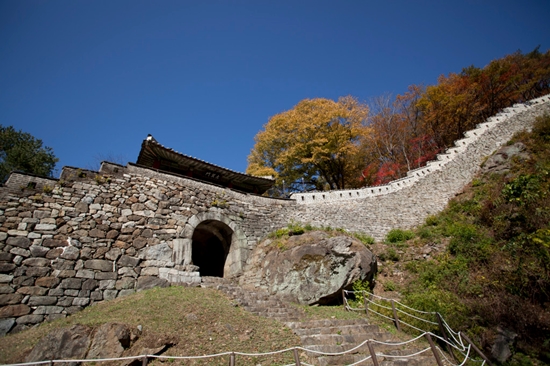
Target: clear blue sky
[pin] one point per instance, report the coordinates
(93, 78)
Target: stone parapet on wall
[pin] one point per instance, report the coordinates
(408, 204)
(415, 175)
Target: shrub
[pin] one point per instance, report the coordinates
(399, 236)
(364, 238)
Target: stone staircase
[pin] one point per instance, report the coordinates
(329, 335)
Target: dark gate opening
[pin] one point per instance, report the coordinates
(211, 243)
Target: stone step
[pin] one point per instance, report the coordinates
(326, 323)
(341, 329)
(327, 336)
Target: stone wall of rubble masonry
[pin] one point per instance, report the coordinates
(407, 202)
(93, 236)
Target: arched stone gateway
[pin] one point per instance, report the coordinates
(214, 243)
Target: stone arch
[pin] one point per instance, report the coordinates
(224, 235)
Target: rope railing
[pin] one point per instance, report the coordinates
(452, 340)
(456, 341)
(233, 355)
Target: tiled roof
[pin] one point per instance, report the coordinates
(152, 151)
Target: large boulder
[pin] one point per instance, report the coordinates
(312, 268)
(62, 344)
(82, 342)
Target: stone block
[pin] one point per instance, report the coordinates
(96, 295)
(139, 242)
(97, 233)
(19, 242)
(127, 272)
(112, 234)
(6, 289)
(113, 254)
(30, 319)
(46, 310)
(65, 273)
(10, 299)
(147, 282)
(106, 276)
(110, 294)
(11, 311)
(71, 283)
(36, 262)
(4, 278)
(107, 284)
(42, 300)
(7, 257)
(6, 325)
(71, 292)
(150, 271)
(66, 300)
(99, 264)
(56, 292)
(37, 271)
(45, 227)
(54, 253)
(85, 273)
(81, 301)
(23, 281)
(81, 207)
(38, 251)
(90, 285)
(70, 253)
(33, 290)
(6, 267)
(54, 243)
(125, 283)
(20, 251)
(127, 261)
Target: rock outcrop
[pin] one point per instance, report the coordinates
(83, 342)
(312, 268)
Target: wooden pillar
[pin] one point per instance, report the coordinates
(296, 357)
(444, 334)
(144, 361)
(396, 319)
(434, 350)
(372, 353)
(476, 349)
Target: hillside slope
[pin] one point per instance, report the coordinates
(484, 262)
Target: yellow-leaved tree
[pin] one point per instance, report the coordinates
(315, 145)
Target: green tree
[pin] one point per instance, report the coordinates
(22, 152)
(317, 143)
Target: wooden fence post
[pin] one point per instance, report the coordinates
(144, 360)
(444, 334)
(296, 357)
(232, 359)
(434, 349)
(396, 319)
(372, 353)
(366, 304)
(476, 349)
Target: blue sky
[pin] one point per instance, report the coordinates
(93, 78)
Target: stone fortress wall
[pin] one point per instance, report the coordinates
(407, 202)
(92, 236)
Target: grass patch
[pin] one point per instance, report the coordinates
(215, 326)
